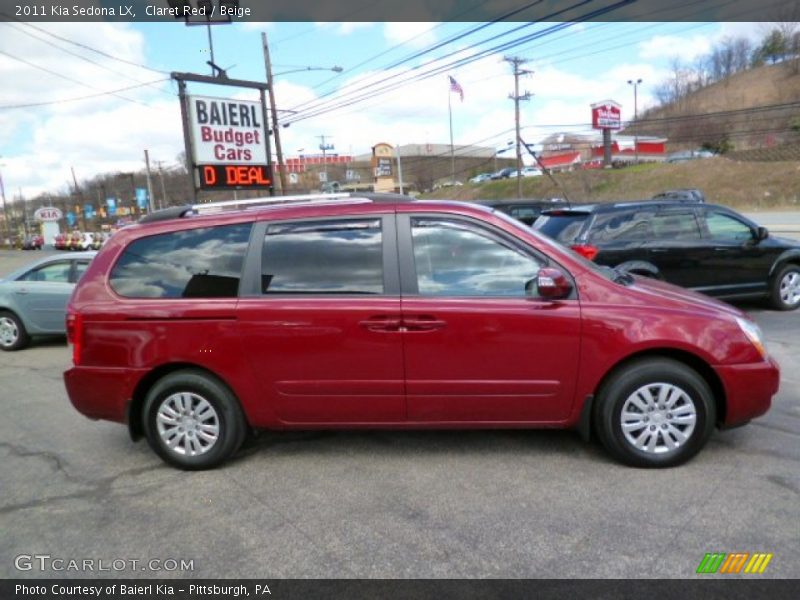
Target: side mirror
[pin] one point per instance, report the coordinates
(552, 284)
(762, 233)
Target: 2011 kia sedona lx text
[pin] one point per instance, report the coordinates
(383, 312)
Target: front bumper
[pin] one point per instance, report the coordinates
(101, 393)
(749, 389)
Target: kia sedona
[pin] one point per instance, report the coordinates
(704, 247)
(202, 324)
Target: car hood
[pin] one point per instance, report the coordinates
(661, 293)
(786, 241)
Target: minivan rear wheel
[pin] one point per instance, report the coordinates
(192, 420)
(655, 413)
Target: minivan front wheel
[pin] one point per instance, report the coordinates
(655, 413)
(192, 420)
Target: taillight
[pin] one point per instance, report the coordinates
(586, 250)
(75, 335)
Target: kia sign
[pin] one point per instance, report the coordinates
(606, 115)
(226, 131)
(48, 214)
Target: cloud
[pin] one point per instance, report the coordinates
(413, 35)
(104, 133)
(670, 46)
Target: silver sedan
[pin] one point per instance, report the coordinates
(33, 300)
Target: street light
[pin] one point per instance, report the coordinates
(635, 83)
(335, 69)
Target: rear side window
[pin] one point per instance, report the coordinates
(677, 225)
(323, 257)
(628, 226)
(564, 228)
(196, 263)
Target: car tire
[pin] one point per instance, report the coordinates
(654, 413)
(785, 292)
(13, 335)
(192, 420)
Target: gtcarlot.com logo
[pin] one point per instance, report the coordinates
(734, 564)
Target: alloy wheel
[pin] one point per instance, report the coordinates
(658, 418)
(188, 424)
(9, 332)
(790, 288)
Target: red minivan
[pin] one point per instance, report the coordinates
(204, 323)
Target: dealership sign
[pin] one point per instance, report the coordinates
(228, 145)
(226, 131)
(606, 115)
(48, 214)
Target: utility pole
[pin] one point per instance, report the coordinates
(24, 213)
(5, 211)
(324, 147)
(81, 209)
(635, 83)
(150, 203)
(163, 201)
(399, 168)
(516, 62)
(274, 110)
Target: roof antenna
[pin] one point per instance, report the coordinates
(546, 171)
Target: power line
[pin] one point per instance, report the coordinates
(107, 93)
(84, 46)
(409, 58)
(65, 77)
(70, 52)
(316, 111)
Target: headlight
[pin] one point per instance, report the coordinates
(754, 334)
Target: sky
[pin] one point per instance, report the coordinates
(54, 115)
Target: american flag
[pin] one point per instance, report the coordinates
(455, 87)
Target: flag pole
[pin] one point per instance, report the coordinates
(452, 150)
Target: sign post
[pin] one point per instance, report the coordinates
(226, 140)
(607, 115)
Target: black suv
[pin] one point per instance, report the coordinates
(526, 210)
(704, 247)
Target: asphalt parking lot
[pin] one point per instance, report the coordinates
(389, 504)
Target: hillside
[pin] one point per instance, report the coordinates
(691, 120)
(744, 185)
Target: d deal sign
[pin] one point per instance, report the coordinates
(228, 143)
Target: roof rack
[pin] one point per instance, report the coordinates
(188, 210)
(269, 200)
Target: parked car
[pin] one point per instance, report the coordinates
(193, 329)
(502, 173)
(526, 172)
(33, 299)
(685, 194)
(60, 241)
(480, 178)
(32, 242)
(686, 155)
(74, 241)
(704, 247)
(526, 210)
